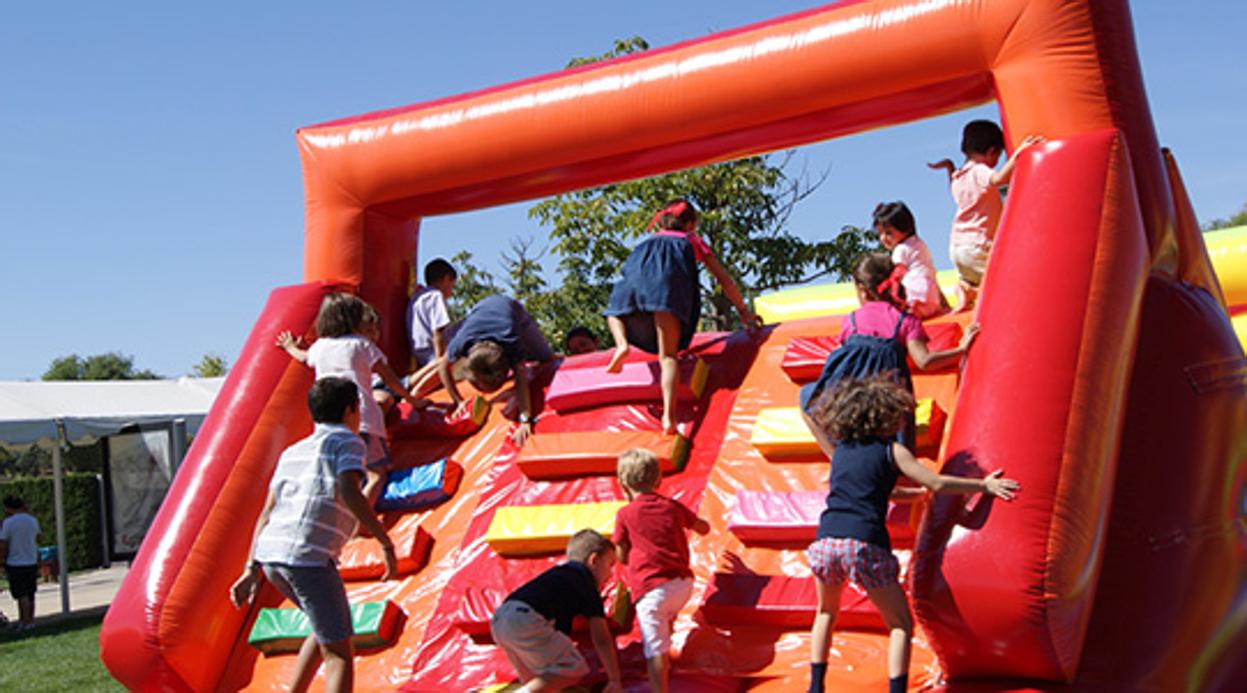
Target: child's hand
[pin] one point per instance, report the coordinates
(967, 338)
(244, 588)
(750, 320)
(521, 434)
(1029, 141)
(287, 341)
(943, 165)
(1004, 489)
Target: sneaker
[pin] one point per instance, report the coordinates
(23, 627)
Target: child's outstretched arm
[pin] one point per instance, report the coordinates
(448, 380)
(927, 360)
(391, 380)
(732, 292)
(525, 400)
(945, 165)
(604, 643)
(290, 343)
(1005, 173)
(994, 484)
(348, 489)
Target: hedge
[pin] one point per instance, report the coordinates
(83, 535)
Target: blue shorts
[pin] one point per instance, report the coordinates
(317, 591)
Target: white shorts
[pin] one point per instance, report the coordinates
(971, 261)
(532, 644)
(655, 612)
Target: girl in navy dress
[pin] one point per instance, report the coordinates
(862, 416)
(877, 338)
(657, 303)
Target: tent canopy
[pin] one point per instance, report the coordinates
(29, 411)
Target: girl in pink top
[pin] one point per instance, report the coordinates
(976, 190)
(876, 339)
(895, 225)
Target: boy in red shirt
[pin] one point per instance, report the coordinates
(652, 543)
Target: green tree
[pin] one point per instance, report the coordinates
(1239, 219)
(472, 285)
(109, 366)
(210, 366)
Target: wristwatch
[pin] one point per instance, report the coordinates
(525, 418)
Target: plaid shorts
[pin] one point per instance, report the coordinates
(835, 560)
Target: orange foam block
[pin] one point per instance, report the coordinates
(804, 358)
(363, 559)
(525, 530)
(579, 388)
(579, 453)
(750, 600)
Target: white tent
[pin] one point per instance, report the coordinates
(86, 409)
(50, 414)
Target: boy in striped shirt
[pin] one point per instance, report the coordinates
(314, 500)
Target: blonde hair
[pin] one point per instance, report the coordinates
(638, 470)
(586, 543)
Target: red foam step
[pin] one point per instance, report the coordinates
(439, 420)
(363, 559)
(579, 453)
(781, 601)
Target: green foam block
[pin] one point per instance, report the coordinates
(283, 630)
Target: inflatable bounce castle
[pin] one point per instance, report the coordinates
(1107, 379)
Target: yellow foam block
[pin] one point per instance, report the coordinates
(535, 529)
(781, 432)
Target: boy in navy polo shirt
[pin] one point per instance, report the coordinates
(651, 533)
(533, 623)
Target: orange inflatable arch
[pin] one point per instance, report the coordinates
(1116, 397)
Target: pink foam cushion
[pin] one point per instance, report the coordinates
(792, 516)
(804, 358)
(780, 601)
(577, 388)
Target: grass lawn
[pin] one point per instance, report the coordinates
(63, 656)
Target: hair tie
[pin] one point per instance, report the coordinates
(675, 209)
(892, 285)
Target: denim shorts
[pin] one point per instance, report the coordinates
(318, 591)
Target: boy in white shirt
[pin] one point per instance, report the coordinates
(313, 502)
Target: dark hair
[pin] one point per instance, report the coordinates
(486, 366)
(329, 399)
(980, 136)
(896, 215)
(579, 331)
(680, 220)
(586, 543)
(859, 409)
(871, 270)
(340, 315)
(14, 503)
(438, 270)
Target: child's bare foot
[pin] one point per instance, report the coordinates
(617, 359)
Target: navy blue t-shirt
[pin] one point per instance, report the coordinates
(862, 477)
(503, 320)
(562, 593)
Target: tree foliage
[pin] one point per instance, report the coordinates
(1239, 219)
(210, 366)
(109, 366)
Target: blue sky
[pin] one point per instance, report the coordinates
(150, 190)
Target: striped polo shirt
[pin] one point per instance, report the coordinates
(309, 523)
